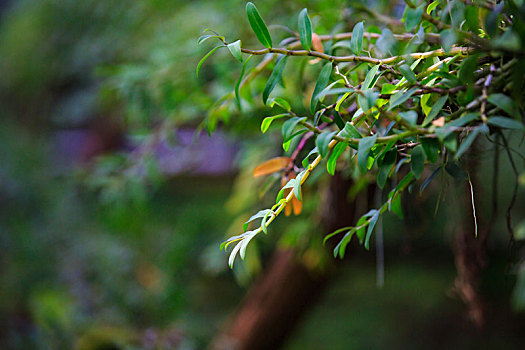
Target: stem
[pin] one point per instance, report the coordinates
(417, 55)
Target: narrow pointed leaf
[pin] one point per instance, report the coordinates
(259, 215)
(268, 121)
(436, 108)
(234, 252)
(274, 77)
(289, 126)
(305, 30)
(503, 102)
(400, 97)
(370, 77)
(467, 142)
(506, 123)
(322, 142)
(356, 43)
(417, 161)
(429, 179)
(371, 226)
(322, 81)
(408, 74)
(363, 150)
(271, 166)
(239, 81)
(199, 65)
(307, 158)
(339, 148)
(258, 25)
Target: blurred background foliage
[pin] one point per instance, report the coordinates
(111, 215)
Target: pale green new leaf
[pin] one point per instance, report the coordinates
(235, 49)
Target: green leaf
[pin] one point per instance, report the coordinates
(235, 49)
(506, 123)
(465, 119)
(306, 159)
(386, 42)
(371, 226)
(367, 100)
(400, 97)
(281, 102)
(341, 246)
(466, 71)
(408, 74)
(322, 81)
(206, 57)
(503, 102)
(417, 161)
(451, 143)
(456, 172)
(432, 6)
(436, 108)
(429, 179)
(289, 184)
(244, 244)
(388, 89)
(472, 18)
(336, 153)
(388, 162)
(467, 142)
(395, 207)
(443, 132)
(356, 42)
(264, 222)
(259, 215)
(350, 131)
(448, 38)
(289, 126)
(234, 252)
(409, 116)
(305, 30)
(209, 36)
(336, 232)
(360, 233)
(297, 186)
(370, 77)
(413, 17)
(268, 121)
(239, 81)
(431, 148)
(258, 25)
(322, 142)
(274, 77)
(328, 92)
(338, 120)
(363, 150)
(294, 138)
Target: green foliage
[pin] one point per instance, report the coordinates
(437, 90)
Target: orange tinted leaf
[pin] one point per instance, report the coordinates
(317, 44)
(288, 209)
(297, 206)
(439, 122)
(271, 166)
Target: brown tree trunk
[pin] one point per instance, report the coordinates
(287, 289)
(469, 250)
